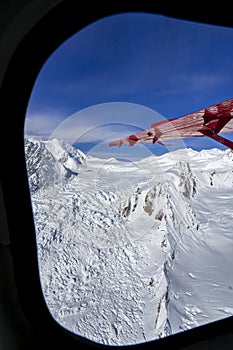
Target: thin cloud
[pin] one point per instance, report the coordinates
(105, 121)
(198, 81)
(41, 124)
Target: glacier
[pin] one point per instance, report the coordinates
(131, 252)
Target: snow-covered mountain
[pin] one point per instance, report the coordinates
(131, 252)
(50, 162)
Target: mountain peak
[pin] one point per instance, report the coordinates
(51, 161)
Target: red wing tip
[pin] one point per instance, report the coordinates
(115, 143)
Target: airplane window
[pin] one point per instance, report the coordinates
(132, 208)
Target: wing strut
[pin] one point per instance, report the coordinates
(217, 138)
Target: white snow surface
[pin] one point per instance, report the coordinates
(133, 251)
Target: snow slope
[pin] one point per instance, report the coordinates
(131, 252)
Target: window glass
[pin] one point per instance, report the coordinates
(134, 242)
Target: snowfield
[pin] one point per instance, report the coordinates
(133, 251)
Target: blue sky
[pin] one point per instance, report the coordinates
(122, 73)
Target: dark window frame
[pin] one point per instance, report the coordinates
(29, 57)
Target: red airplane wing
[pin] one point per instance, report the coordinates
(206, 122)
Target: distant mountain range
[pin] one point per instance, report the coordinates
(131, 252)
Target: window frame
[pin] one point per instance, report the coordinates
(61, 22)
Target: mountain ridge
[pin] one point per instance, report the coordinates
(143, 237)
